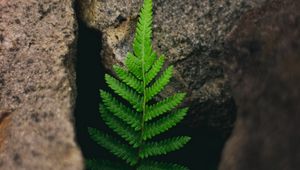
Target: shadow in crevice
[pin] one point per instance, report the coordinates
(89, 79)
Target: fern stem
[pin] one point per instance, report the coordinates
(144, 105)
(143, 114)
(144, 91)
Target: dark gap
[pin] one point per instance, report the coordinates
(89, 78)
(204, 150)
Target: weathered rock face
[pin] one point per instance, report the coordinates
(263, 65)
(191, 34)
(37, 88)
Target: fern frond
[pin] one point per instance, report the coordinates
(163, 106)
(120, 110)
(153, 165)
(157, 66)
(129, 79)
(114, 146)
(163, 147)
(134, 65)
(119, 127)
(159, 84)
(163, 124)
(124, 91)
(134, 119)
(93, 164)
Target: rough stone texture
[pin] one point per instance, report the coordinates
(264, 70)
(37, 85)
(191, 34)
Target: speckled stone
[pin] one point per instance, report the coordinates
(37, 86)
(191, 34)
(263, 65)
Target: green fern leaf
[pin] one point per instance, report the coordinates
(134, 65)
(142, 41)
(157, 66)
(153, 165)
(163, 124)
(129, 79)
(163, 147)
(120, 110)
(114, 146)
(163, 106)
(121, 89)
(150, 61)
(119, 127)
(160, 83)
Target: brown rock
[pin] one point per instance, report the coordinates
(37, 85)
(264, 68)
(191, 34)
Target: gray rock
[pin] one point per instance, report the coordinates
(191, 34)
(37, 86)
(263, 66)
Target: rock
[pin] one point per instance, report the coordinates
(191, 34)
(263, 67)
(37, 86)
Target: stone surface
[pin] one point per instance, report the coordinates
(37, 86)
(263, 65)
(191, 34)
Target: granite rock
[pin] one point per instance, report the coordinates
(263, 67)
(37, 85)
(191, 34)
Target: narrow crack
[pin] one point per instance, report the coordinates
(89, 79)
